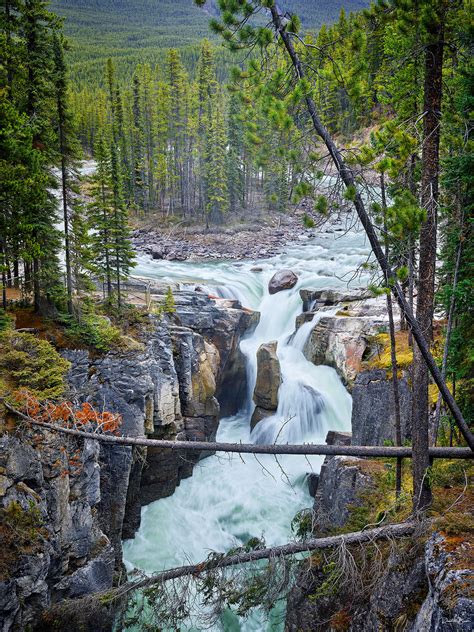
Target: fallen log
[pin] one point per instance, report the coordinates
(251, 448)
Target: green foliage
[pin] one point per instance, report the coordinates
(308, 221)
(32, 363)
(5, 320)
(92, 330)
(302, 523)
(169, 306)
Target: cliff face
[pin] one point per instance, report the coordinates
(83, 499)
(422, 584)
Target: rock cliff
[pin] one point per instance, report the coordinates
(82, 500)
(421, 585)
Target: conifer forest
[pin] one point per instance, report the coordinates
(236, 315)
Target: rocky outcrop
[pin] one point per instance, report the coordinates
(418, 589)
(268, 382)
(53, 545)
(449, 604)
(315, 299)
(282, 280)
(339, 342)
(373, 408)
(342, 339)
(164, 385)
(342, 482)
(423, 584)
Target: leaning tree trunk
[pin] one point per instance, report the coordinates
(348, 178)
(447, 341)
(393, 349)
(427, 263)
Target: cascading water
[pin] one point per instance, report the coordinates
(229, 499)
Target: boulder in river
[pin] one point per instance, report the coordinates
(282, 280)
(258, 415)
(268, 381)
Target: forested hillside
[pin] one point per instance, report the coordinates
(133, 32)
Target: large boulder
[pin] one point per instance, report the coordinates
(268, 381)
(258, 415)
(282, 280)
(373, 408)
(340, 342)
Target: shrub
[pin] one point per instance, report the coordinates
(94, 331)
(5, 320)
(33, 363)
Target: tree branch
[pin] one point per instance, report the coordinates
(251, 448)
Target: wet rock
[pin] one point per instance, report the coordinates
(334, 437)
(373, 408)
(340, 343)
(282, 280)
(197, 365)
(258, 414)
(312, 480)
(268, 380)
(314, 299)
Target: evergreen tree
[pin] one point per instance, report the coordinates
(216, 168)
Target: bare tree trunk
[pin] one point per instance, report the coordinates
(64, 189)
(388, 532)
(349, 180)
(448, 339)
(393, 349)
(250, 448)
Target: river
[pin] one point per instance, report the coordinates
(230, 499)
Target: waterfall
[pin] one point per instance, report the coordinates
(230, 499)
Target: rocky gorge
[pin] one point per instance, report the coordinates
(83, 499)
(281, 371)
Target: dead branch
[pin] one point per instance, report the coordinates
(250, 448)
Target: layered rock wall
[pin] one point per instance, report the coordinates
(164, 385)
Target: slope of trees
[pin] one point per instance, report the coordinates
(139, 32)
(39, 154)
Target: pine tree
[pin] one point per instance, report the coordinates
(68, 154)
(216, 163)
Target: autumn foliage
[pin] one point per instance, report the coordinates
(84, 417)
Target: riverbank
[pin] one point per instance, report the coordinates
(250, 239)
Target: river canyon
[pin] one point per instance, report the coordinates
(229, 499)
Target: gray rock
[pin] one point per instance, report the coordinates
(449, 605)
(373, 408)
(342, 479)
(268, 381)
(22, 463)
(95, 576)
(334, 437)
(314, 299)
(312, 480)
(282, 280)
(259, 414)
